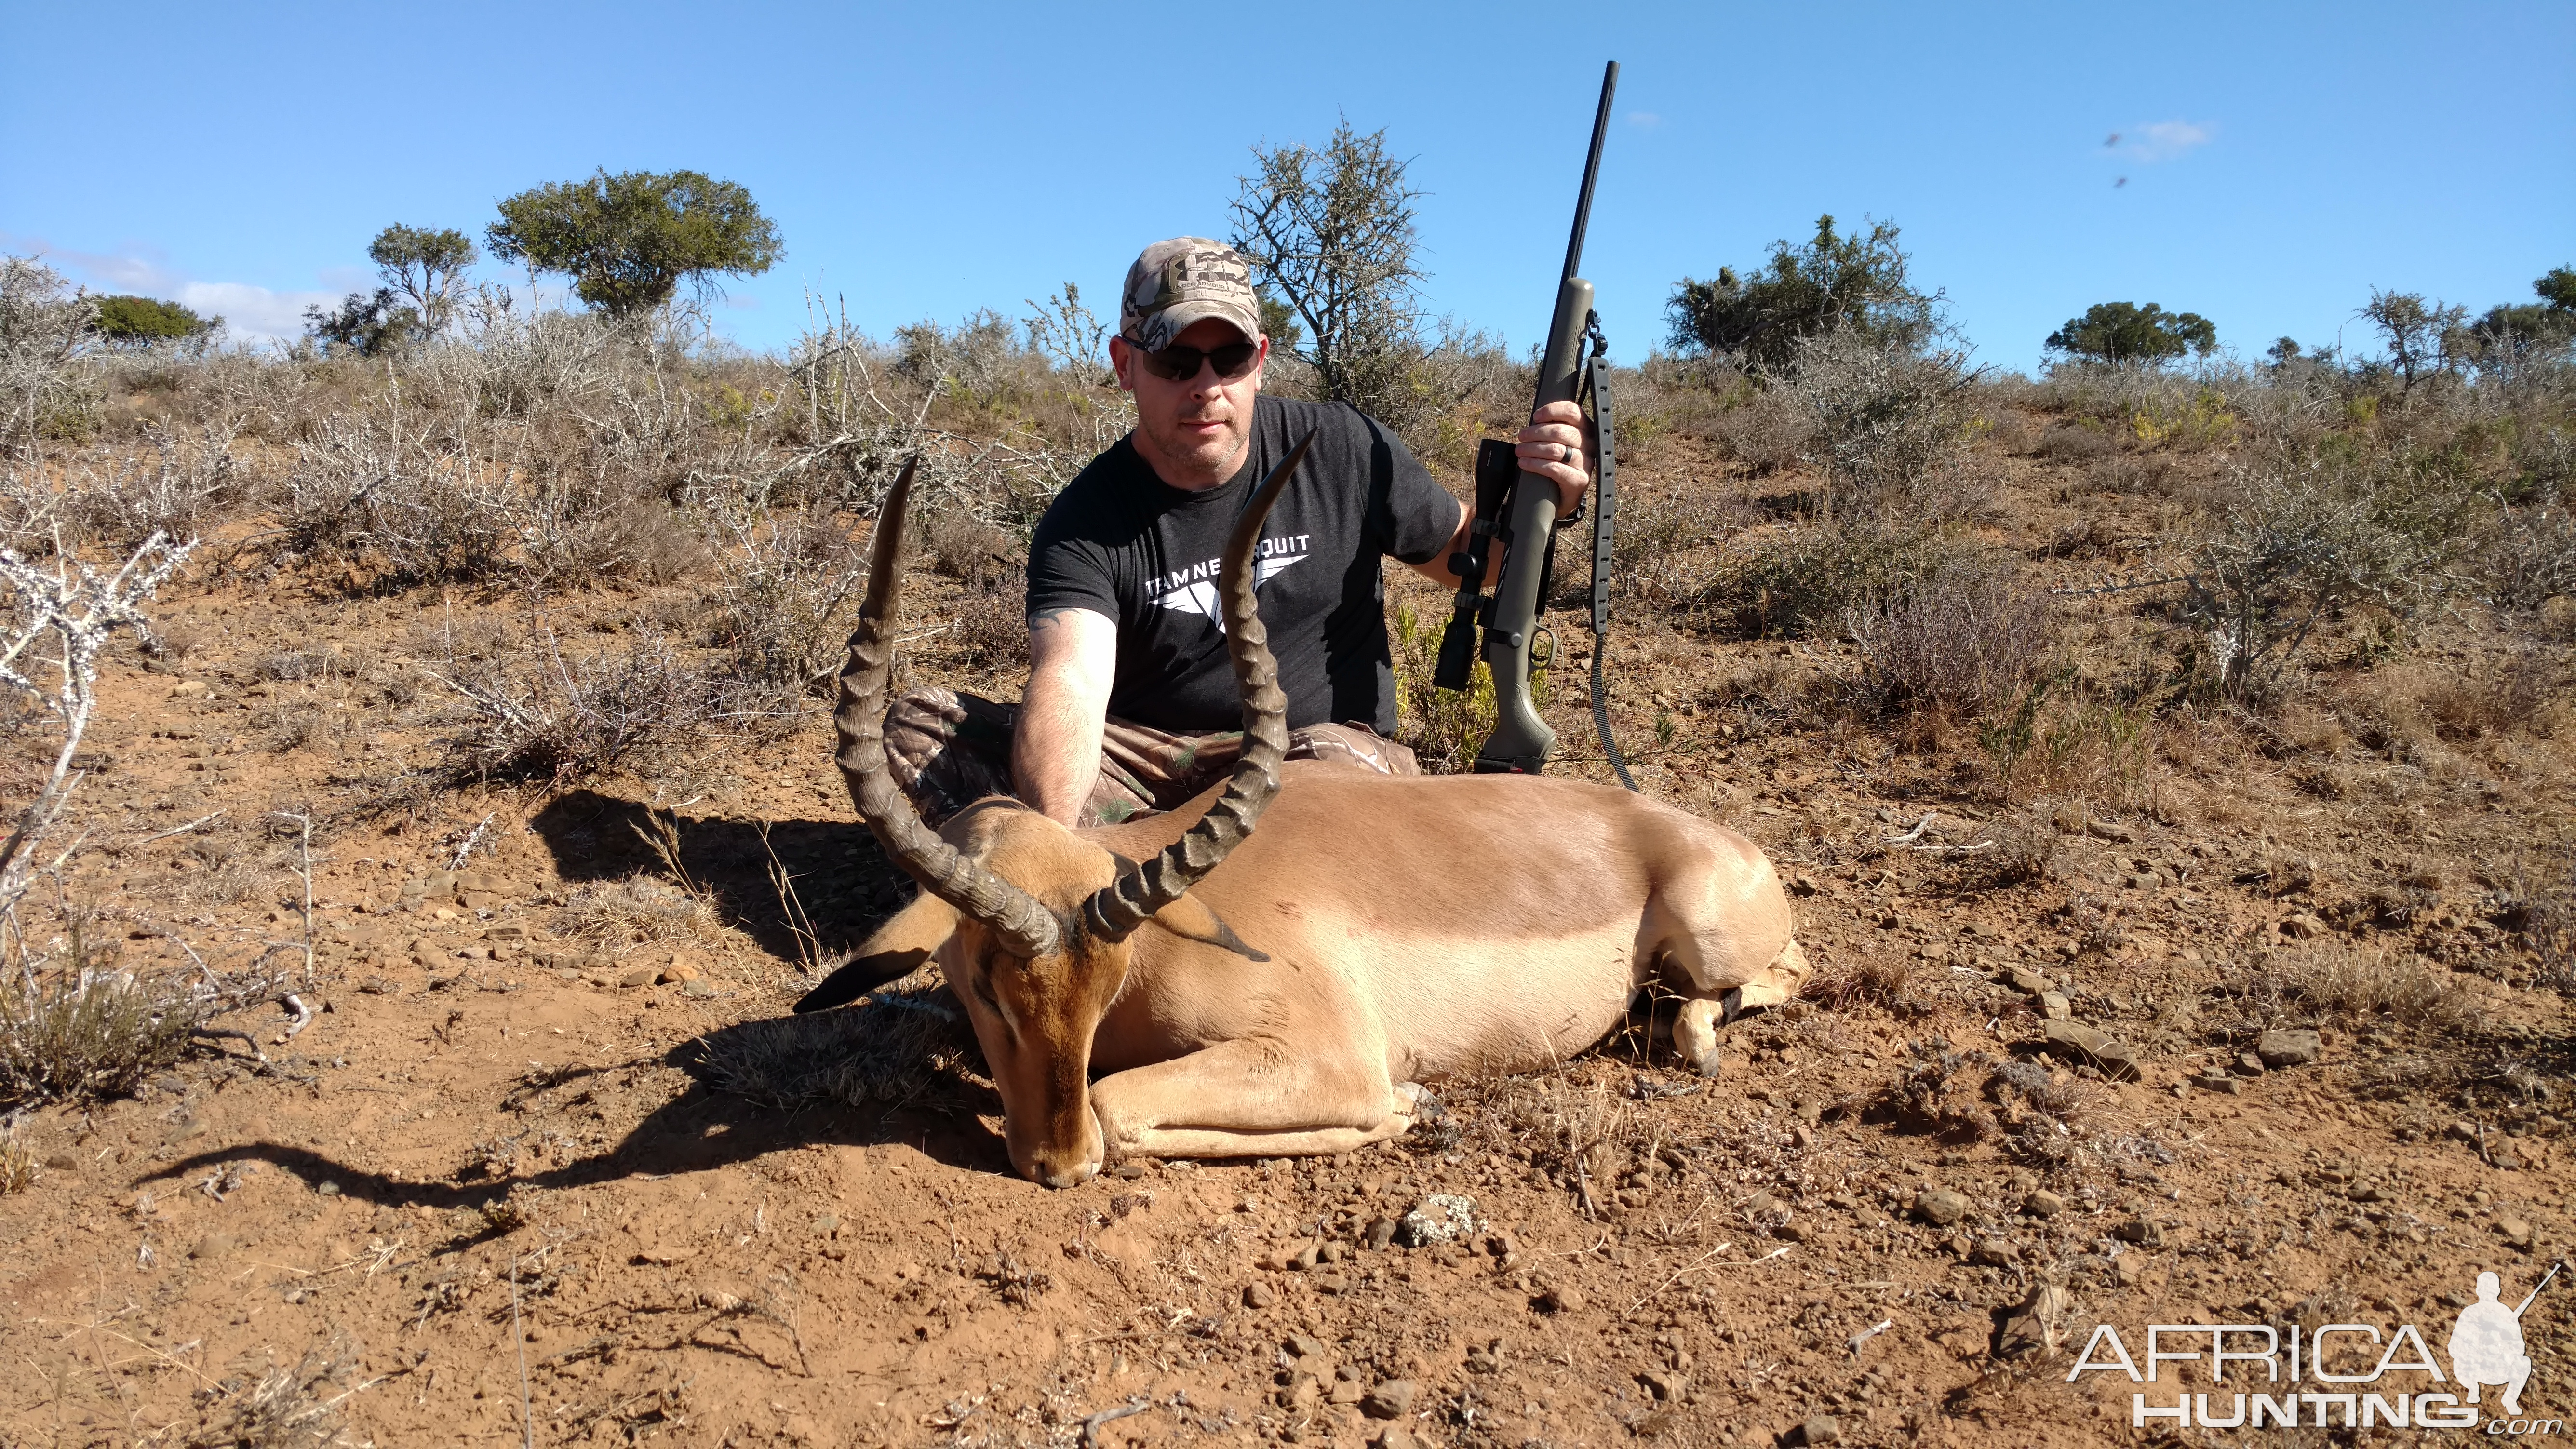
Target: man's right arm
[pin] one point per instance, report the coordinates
(1055, 751)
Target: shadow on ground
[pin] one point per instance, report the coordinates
(902, 1067)
(836, 876)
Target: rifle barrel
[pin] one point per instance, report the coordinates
(2536, 1287)
(1591, 171)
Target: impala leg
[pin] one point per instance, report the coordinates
(1249, 1098)
(1777, 983)
(1695, 1026)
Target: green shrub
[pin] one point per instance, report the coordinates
(141, 321)
(629, 240)
(1328, 230)
(1835, 282)
(1445, 728)
(425, 266)
(2424, 339)
(1793, 581)
(362, 325)
(2124, 332)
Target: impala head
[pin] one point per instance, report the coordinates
(1033, 925)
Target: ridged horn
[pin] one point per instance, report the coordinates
(1116, 910)
(1023, 925)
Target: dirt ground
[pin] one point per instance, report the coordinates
(499, 1191)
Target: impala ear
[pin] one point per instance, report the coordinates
(1192, 921)
(898, 949)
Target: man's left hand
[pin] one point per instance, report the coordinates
(1556, 446)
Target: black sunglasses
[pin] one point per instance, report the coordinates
(1181, 364)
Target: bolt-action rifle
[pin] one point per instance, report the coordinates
(1517, 510)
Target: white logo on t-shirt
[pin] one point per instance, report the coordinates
(1193, 590)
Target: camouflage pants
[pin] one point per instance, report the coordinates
(947, 750)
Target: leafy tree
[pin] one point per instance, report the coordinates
(2423, 338)
(425, 266)
(2124, 332)
(1850, 282)
(628, 240)
(369, 326)
(2545, 323)
(2557, 287)
(1279, 321)
(141, 321)
(1329, 234)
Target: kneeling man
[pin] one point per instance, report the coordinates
(1131, 705)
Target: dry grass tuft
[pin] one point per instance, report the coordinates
(87, 1032)
(1968, 1097)
(2341, 984)
(1879, 979)
(1589, 1137)
(287, 1408)
(897, 1044)
(17, 1164)
(635, 911)
(552, 719)
(1941, 1093)
(2539, 905)
(2039, 1109)
(991, 621)
(1657, 553)
(2025, 849)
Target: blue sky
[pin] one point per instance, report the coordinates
(922, 160)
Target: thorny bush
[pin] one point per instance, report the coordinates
(1888, 425)
(540, 716)
(1973, 639)
(2286, 552)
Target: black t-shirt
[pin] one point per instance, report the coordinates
(1124, 544)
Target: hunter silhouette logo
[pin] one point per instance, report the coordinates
(1193, 590)
(2486, 1344)
(2486, 1350)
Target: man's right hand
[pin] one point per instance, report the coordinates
(1055, 750)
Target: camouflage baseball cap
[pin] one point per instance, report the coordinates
(1187, 279)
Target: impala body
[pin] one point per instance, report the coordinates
(1372, 933)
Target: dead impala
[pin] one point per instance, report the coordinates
(1278, 991)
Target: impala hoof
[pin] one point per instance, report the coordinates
(1413, 1103)
(1074, 1175)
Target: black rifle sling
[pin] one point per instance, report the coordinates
(1605, 499)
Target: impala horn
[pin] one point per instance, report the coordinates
(1024, 926)
(1116, 910)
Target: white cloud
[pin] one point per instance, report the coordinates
(1645, 120)
(2161, 140)
(254, 313)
